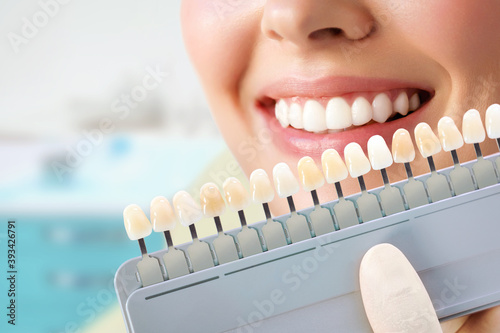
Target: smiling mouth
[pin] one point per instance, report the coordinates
(346, 112)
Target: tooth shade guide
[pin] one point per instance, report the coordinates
(175, 261)
(297, 225)
(368, 204)
(460, 177)
(297, 220)
(247, 272)
(344, 210)
(149, 270)
(137, 227)
(224, 245)
(321, 219)
(390, 197)
(404, 152)
(275, 233)
(484, 172)
(414, 190)
(451, 140)
(473, 132)
(200, 254)
(250, 267)
(438, 187)
(284, 226)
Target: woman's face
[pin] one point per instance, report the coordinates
(340, 71)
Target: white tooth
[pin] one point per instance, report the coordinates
(427, 142)
(361, 111)
(314, 117)
(162, 215)
(338, 114)
(284, 181)
(472, 127)
(237, 197)
(261, 188)
(309, 174)
(212, 203)
(281, 112)
(378, 152)
(449, 135)
(137, 224)
(401, 104)
(414, 102)
(356, 161)
(382, 108)
(186, 209)
(295, 116)
(333, 166)
(402, 147)
(492, 121)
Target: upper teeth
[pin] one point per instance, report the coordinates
(312, 116)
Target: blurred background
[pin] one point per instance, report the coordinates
(100, 108)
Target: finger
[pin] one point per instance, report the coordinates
(394, 297)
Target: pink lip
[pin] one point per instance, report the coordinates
(332, 86)
(300, 142)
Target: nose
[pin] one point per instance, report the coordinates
(305, 22)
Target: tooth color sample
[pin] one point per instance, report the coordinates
(313, 117)
(136, 223)
(472, 127)
(261, 187)
(236, 195)
(309, 174)
(427, 142)
(186, 209)
(162, 215)
(284, 181)
(449, 135)
(281, 112)
(401, 104)
(382, 108)
(492, 121)
(393, 295)
(379, 154)
(356, 161)
(211, 200)
(362, 111)
(402, 147)
(338, 114)
(333, 166)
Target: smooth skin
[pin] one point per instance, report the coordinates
(448, 47)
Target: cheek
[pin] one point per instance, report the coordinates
(454, 32)
(219, 36)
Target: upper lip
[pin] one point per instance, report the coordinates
(331, 86)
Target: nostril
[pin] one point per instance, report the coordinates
(325, 33)
(274, 35)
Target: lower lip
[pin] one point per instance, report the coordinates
(302, 143)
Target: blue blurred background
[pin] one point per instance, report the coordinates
(68, 70)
